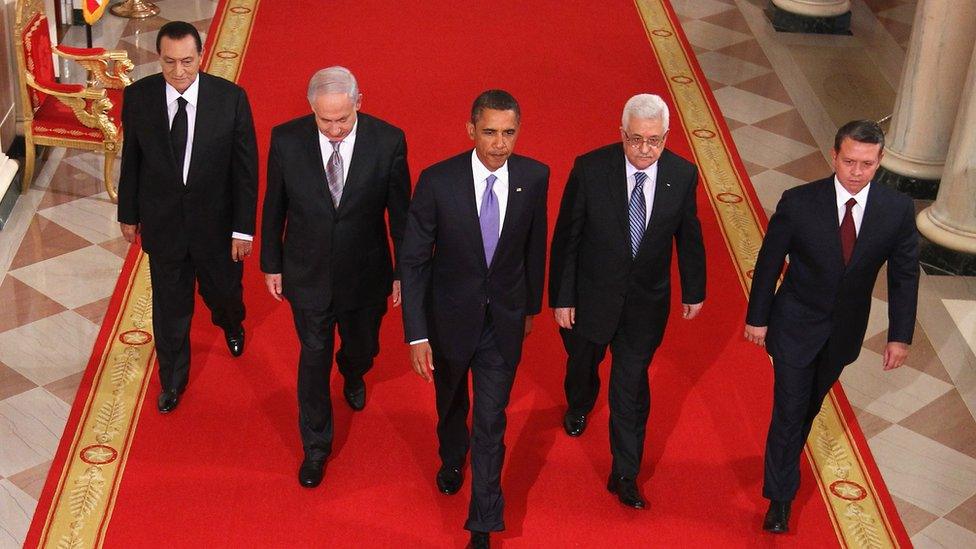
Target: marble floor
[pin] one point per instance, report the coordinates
(783, 97)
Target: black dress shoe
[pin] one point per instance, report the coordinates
(355, 392)
(626, 490)
(574, 424)
(310, 473)
(480, 540)
(167, 401)
(235, 341)
(777, 518)
(449, 480)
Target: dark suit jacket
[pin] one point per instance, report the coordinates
(591, 267)
(447, 286)
(328, 257)
(220, 195)
(822, 301)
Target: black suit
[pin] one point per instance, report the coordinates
(621, 300)
(817, 319)
(474, 313)
(335, 263)
(186, 228)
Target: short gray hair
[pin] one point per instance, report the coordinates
(333, 80)
(646, 105)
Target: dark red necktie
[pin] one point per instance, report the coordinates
(847, 233)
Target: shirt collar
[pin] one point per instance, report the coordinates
(843, 195)
(480, 172)
(651, 170)
(190, 94)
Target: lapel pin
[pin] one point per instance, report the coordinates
(518, 189)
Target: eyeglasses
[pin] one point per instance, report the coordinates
(637, 142)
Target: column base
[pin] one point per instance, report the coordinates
(9, 168)
(784, 21)
(922, 189)
(937, 260)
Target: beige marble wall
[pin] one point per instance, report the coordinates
(8, 72)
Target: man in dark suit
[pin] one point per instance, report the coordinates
(188, 185)
(473, 266)
(838, 232)
(624, 206)
(333, 177)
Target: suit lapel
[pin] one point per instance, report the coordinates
(617, 189)
(467, 207)
(869, 223)
(361, 158)
(513, 208)
(161, 121)
(829, 224)
(319, 183)
(206, 118)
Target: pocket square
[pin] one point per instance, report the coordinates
(518, 189)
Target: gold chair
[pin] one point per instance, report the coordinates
(68, 115)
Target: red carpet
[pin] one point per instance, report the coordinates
(221, 470)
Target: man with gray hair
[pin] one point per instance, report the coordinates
(333, 177)
(610, 275)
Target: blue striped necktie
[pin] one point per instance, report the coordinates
(638, 210)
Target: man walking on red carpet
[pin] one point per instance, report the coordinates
(473, 265)
(188, 185)
(333, 177)
(837, 232)
(624, 208)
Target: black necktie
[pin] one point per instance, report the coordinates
(177, 135)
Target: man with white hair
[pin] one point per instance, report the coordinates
(610, 275)
(333, 177)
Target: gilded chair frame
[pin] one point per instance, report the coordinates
(107, 69)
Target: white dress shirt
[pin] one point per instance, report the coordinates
(500, 187)
(857, 212)
(345, 151)
(191, 95)
(649, 186)
(481, 173)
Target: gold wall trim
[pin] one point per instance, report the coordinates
(83, 501)
(858, 517)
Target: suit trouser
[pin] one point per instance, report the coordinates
(629, 393)
(359, 331)
(798, 393)
(172, 301)
(492, 380)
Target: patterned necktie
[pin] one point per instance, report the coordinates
(178, 135)
(489, 219)
(638, 210)
(848, 235)
(333, 173)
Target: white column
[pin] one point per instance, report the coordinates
(931, 83)
(815, 8)
(950, 221)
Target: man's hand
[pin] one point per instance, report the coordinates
(396, 293)
(756, 334)
(565, 317)
(129, 232)
(895, 354)
(239, 249)
(528, 326)
(421, 358)
(273, 282)
(689, 312)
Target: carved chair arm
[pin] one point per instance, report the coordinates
(89, 105)
(109, 67)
